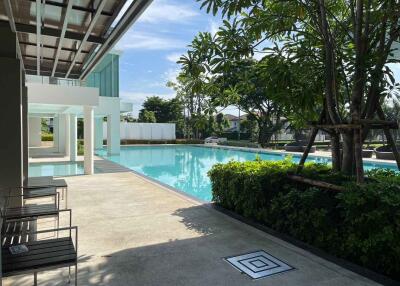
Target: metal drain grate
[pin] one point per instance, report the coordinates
(258, 264)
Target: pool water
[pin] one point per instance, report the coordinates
(57, 169)
(185, 167)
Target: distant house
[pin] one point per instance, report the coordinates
(234, 125)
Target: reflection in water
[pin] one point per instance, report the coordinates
(185, 167)
(55, 169)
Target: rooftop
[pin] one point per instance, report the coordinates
(67, 39)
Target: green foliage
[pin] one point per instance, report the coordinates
(239, 144)
(361, 224)
(147, 116)
(80, 147)
(47, 136)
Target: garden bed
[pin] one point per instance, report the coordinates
(360, 224)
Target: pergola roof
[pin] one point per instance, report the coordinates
(67, 38)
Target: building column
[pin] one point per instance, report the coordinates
(113, 134)
(11, 117)
(56, 133)
(25, 133)
(73, 137)
(88, 135)
(35, 131)
(98, 133)
(67, 134)
(61, 133)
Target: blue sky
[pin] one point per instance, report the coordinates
(153, 45)
(155, 42)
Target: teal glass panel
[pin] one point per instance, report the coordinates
(106, 76)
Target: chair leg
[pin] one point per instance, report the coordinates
(76, 274)
(69, 274)
(66, 198)
(58, 223)
(35, 278)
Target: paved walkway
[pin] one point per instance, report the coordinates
(133, 232)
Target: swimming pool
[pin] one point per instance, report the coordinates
(185, 167)
(55, 169)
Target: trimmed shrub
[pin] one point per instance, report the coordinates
(47, 137)
(361, 224)
(240, 144)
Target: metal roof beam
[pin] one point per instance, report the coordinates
(134, 11)
(11, 22)
(54, 47)
(51, 59)
(63, 30)
(88, 32)
(38, 36)
(47, 72)
(51, 32)
(76, 8)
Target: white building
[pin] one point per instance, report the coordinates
(56, 62)
(66, 101)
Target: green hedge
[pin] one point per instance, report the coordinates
(239, 144)
(361, 224)
(47, 137)
(177, 141)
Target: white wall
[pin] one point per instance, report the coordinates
(144, 131)
(64, 95)
(35, 131)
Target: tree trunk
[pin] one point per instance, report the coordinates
(335, 149)
(348, 153)
(264, 135)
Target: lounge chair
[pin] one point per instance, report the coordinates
(385, 153)
(298, 147)
(41, 182)
(33, 211)
(43, 254)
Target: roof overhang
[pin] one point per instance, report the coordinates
(67, 38)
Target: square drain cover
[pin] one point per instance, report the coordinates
(258, 264)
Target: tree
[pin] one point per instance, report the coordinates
(164, 111)
(146, 116)
(348, 42)
(221, 123)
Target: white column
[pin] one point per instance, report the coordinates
(73, 148)
(67, 134)
(113, 134)
(88, 135)
(56, 133)
(35, 131)
(61, 133)
(98, 133)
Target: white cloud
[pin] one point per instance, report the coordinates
(214, 27)
(165, 11)
(171, 74)
(148, 41)
(174, 57)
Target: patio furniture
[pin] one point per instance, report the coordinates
(385, 153)
(18, 231)
(40, 182)
(367, 153)
(43, 254)
(298, 147)
(34, 210)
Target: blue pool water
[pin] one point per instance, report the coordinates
(185, 167)
(55, 169)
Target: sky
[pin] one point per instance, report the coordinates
(151, 47)
(154, 43)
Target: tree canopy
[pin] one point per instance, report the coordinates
(324, 61)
